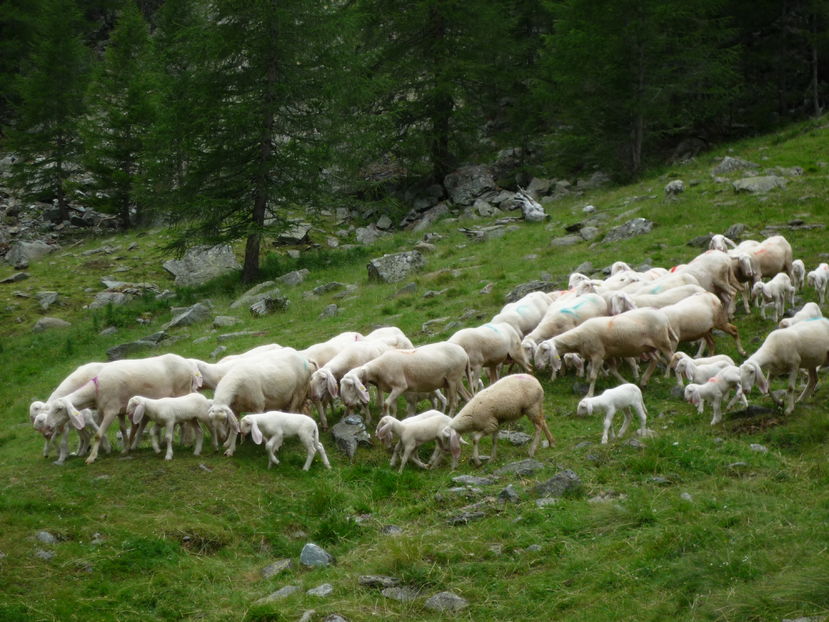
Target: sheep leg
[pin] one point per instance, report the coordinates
(320, 406)
(63, 448)
(810, 386)
(738, 393)
(536, 415)
(390, 403)
(494, 446)
(615, 372)
(476, 438)
(154, 440)
(106, 421)
(649, 371)
(642, 413)
(395, 454)
(702, 343)
(717, 413)
(634, 367)
(311, 450)
(321, 451)
(435, 458)
(272, 446)
(595, 365)
(199, 438)
(608, 424)
(83, 442)
(168, 436)
(407, 452)
(625, 422)
(790, 391)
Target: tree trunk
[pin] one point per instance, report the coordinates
(439, 154)
(816, 108)
(60, 178)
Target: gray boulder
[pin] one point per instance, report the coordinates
(558, 485)
(295, 233)
(23, 253)
(446, 601)
(468, 183)
(314, 556)
(47, 323)
(16, 278)
(674, 188)
(368, 235)
(293, 278)
(279, 594)
(566, 240)
(270, 302)
(403, 594)
(632, 228)
(276, 567)
(522, 467)
(430, 217)
(349, 433)
(197, 313)
(596, 180)
(379, 581)
(729, 165)
(759, 185)
(518, 292)
(395, 267)
(202, 263)
(46, 299)
(252, 295)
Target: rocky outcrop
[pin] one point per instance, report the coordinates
(201, 264)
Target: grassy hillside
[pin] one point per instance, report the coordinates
(694, 525)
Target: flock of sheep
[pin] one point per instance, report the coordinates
(630, 317)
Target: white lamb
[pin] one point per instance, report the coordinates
(699, 373)
(798, 274)
(274, 426)
(413, 432)
(714, 390)
(724, 359)
(168, 412)
(810, 311)
(777, 290)
(721, 243)
(626, 396)
(819, 279)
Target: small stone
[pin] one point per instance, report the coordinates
(223, 321)
(589, 233)
(97, 539)
(522, 467)
(403, 594)
(662, 481)
(408, 289)
(391, 530)
(546, 501)
(315, 556)
(566, 240)
(276, 567)
(685, 496)
(635, 443)
(561, 483)
(509, 495)
(446, 601)
(15, 278)
(279, 594)
(307, 615)
(472, 480)
(44, 537)
(377, 580)
(46, 323)
(326, 589)
(335, 617)
(465, 518)
(329, 311)
(533, 548)
(44, 555)
(515, 438)
(759, 448)
(738, 465)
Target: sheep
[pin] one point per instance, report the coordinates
(777, 290)
(275, 381)
(168, 375)
(697, 316)
(628, 334)
(167, 412)
(490, 346)
(424, 369)
(746, 274)
(819, 279)
(714, 390)
(698, 373)
(275, 426)
(505, 400)
(721, 243)
(773, 255)
(623, 301)
(324, 382)
(707, 360)
(413, 432)
(713, 271)
(804, 345)
(810, 311)
(321, 353)
(268, 347)
(525, 313)
(626, 396)
(561, 316)
(798, 274)
(88, 419)
(212, 373)
(661, 284)
(391, 335)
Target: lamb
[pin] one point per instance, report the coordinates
(810, 311)
(698, 373)
(413, 432)
(324, 382)
(168, 375)
(505, 400)
(276, 381)
(88, 420)
(721, 243)
(804, 345)
(819, 279)
(561, 316)
(697, 316)
(626, 396)
(628, 334)
(275, 426)
(746, 274)
(624, 301)
(798, 274)
(525, 313)
(714, 390)
(777, 291)
(167, 412)
(490, 346)
(707, 360)
(424, 369)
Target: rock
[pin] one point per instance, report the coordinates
(428, 327)
(253, 294)
(199, 312)
(46, 299)
(566, 240)
(307, 615)
(329, 311)
(224, 321)
(24, 253)
(44, 555)
(674, 188)
(327, 288)
(293, 278)
(294, 233)
(735, 231)
(545, 501)
(391, 530)
(785, 171)
(48, 323)
(515, 438)
(201, 264)
(326, 589)
(348, 436)
(759, 185)
(518, 292)
(377, 580)
(596, 180)
(403, 594)
(635, 443)
(522, 467)
(276, 567)
(465, 518)
(484, 209)
(314, 556)
(335, 617)
(701, 241)
(759, 448)
(589, 233)
(368, 235)
(685, 496)
(16, 278)
(585, 268)
(560, 484)
(632, 228)
(446, 601)
(425, 247)
(395, 267)
(472, 480)
(468, 183)
(279, 594)
(430, 217)
(45, 537)
(122, 350)
(729, 165)
(509, 495)
(407, 289)
(268, 303)
(384, 222)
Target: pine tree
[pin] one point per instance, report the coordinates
(16, 33)
(119, 115)
(50, 102)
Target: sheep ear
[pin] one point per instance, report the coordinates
(762, 381)
(454, 443)
(74, 415)
(333, 389)
(197, 381)
(234, 422)
(364, 393)
(590, 408)
(255, 432)
(138, 413)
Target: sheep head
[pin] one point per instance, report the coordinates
(585, 407)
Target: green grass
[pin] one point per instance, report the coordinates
(694, 526)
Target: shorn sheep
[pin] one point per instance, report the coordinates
(819, 279)
(777, 290)
(505, 400)
(810, 311)
(275, 426)
(714, 390)
(167, 412)
(625, 397)
(490, 346)
(413, 432)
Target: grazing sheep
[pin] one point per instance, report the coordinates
(561, 316)
(723, 359)
(798, 274)
(89, 420)
(321, 353)
(490, 346)
(698, 373)
(773, 255)
(624, 301)
(714, 272)
(804, 345)
(714, 390)
(525, 313)
(435, 366)
(274, 426)
(746, 274)
(505, 400)
(626, 396)
(391, 335)
(777, 291)
(819, 279)
(628, 334)
(413, 432)
(721, 243)
(810, 311)
(696, 317)
(167, 412)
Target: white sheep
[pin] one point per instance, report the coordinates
(619, 302)
(626, 396)
(810, 311)
(89, 420)
(746, 274)
(413, 432)
(505, 400)
(168, 375)
(428, 368)
(723, 359)
(168, 412)
(798, 274)
(804, 345)
(275, 426)
(321, 353)
(696, 317)
(561, 316)
(721, 243)
(819, 279)
(490, 346)
(777, 290)
(714, 390)
(713, 271)
(525, 313)
(696, 372)
(773, 255)
(275, 380)
(391, 335)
